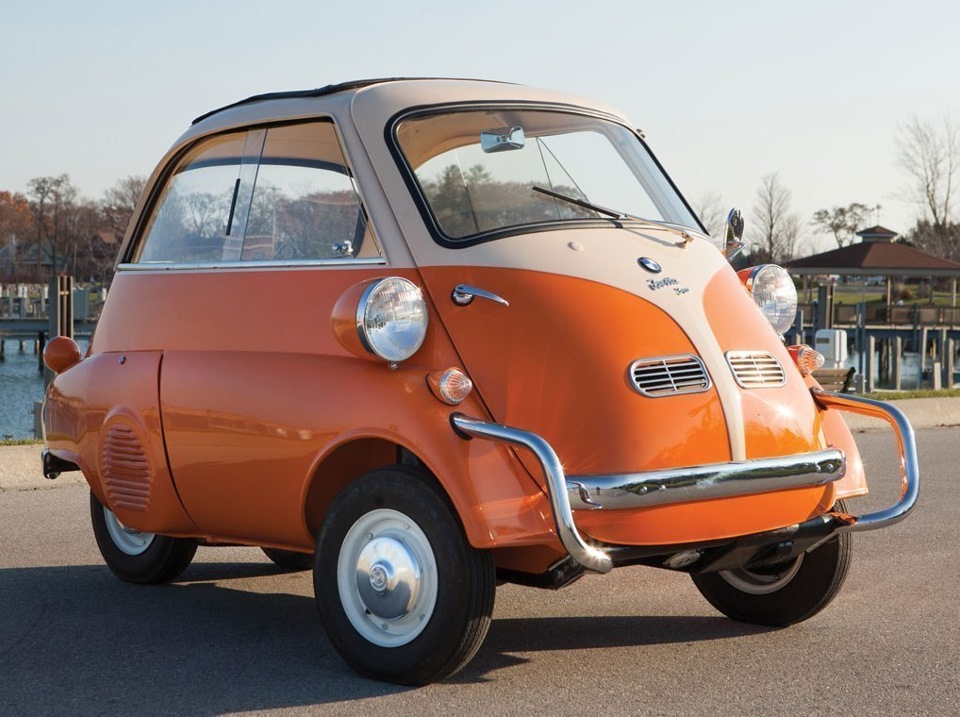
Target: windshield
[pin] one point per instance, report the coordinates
(477, 170)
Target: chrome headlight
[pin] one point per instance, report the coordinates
(773, 290)
(392, 318)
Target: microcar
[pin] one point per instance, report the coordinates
(428, 336)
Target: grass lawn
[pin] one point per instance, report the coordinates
(926, 393)
(875, 295)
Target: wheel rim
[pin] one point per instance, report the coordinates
(387, 578)
(128, 540)
(763, 583)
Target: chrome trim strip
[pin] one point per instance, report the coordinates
(588, 556)
(705, 482)
(252, 265)
(906, 443)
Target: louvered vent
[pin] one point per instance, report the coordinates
(756, 369)
(669, 376)
(126, 471)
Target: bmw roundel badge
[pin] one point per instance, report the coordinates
(649, 264)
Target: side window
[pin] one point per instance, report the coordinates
(196, 213)
(277, 194)
(305, 205)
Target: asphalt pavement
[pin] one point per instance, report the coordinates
(236, 635)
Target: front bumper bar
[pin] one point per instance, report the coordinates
(706, 482)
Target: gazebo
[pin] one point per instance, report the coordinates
(878, 255)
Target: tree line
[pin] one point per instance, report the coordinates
(52, 229)
(927, 153)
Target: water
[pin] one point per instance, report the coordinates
(20, 385)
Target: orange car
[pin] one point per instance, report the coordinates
(422, 336)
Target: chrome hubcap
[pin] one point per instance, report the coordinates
(387, 578)
(763, 583)
(128, 540)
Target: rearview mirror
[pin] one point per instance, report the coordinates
(732, 234)
(502, 139)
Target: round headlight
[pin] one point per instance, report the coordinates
(392, 318)
(773, 290)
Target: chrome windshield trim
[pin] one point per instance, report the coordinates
(250, 265)
(588, 556)
(906, 444)
(705, 482)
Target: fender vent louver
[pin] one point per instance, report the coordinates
(126, 472)
(669, 376)
(756, 369)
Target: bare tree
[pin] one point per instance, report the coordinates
(930, 155)
(119, 203)
(709, 207)
(776, 229)
(842, 222)
(51, 201)
(15, 223)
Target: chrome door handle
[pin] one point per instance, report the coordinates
(463, 294)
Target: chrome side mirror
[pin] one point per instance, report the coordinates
(502, 139)
(732, 234)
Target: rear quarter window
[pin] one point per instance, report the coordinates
(282, 193)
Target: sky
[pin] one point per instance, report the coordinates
(725, 92)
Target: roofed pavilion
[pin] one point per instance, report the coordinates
(878, 255)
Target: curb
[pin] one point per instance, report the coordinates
(20, 470)
(922, 412)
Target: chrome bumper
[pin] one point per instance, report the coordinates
(705, 482)
(716, 480)
(906, 444)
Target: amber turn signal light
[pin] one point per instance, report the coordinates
(807, 359)
(450, 386)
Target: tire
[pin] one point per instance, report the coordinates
(137, 557)
(402, 595)
(783, 594)
(289, 559)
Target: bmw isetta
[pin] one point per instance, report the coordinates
(427, 336)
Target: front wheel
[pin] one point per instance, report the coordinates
(401, 593)
(134, 556)
(782, 594)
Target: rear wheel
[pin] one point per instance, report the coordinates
(401, 593)
(781, 594)
(135, 556)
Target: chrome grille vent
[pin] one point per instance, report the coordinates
(756, 369)
(126, 473)
(669, 376)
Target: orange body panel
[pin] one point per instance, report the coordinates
(576, 394)
(249, 415)
(116, 395)
(255, 399)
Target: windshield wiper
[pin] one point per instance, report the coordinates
(613, 214)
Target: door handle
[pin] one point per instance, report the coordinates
(463, 294)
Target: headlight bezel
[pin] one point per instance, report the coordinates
(773, 291)
(369, 328)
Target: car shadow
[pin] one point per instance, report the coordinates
(75, 637)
